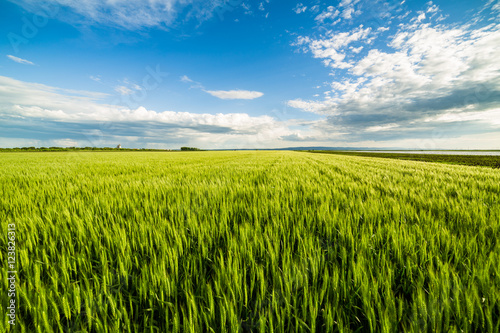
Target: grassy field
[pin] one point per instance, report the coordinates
(491, 161)
(249, 241)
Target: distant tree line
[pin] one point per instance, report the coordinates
(190, 149)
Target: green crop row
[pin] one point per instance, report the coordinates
(249, 242)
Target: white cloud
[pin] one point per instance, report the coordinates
(78, 118)
(96, 78)
(298, 137)
(223, 94)
(348, 86)
(356, 49)
(186, 79)
(122, 90)
(194, 84)
(300, 8)
(450, 74)
(432, 9)
(247, 9)
(65, 143)
(25, 103)
(347, 13)
(420, 17)
(309, 106)
(14, 92)
(314, 8)
(330, 13)
(127, 87)
(19, 60)
(490, 116)
(331, 46)
(381, 128)
(235, 94)
(129, 15)
(37, 100)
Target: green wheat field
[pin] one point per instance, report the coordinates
(249, 241)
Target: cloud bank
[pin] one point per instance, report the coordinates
(79, 116)
(423, 76)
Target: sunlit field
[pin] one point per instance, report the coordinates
(249, 242)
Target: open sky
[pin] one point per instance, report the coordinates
(250, 74)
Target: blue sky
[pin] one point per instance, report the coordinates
(250, 74)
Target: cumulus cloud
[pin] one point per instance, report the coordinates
(330, 13)
(19, 60)
(235, 94)
(426, 70)
(331, 46)
(356, 49)
(348, 10)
